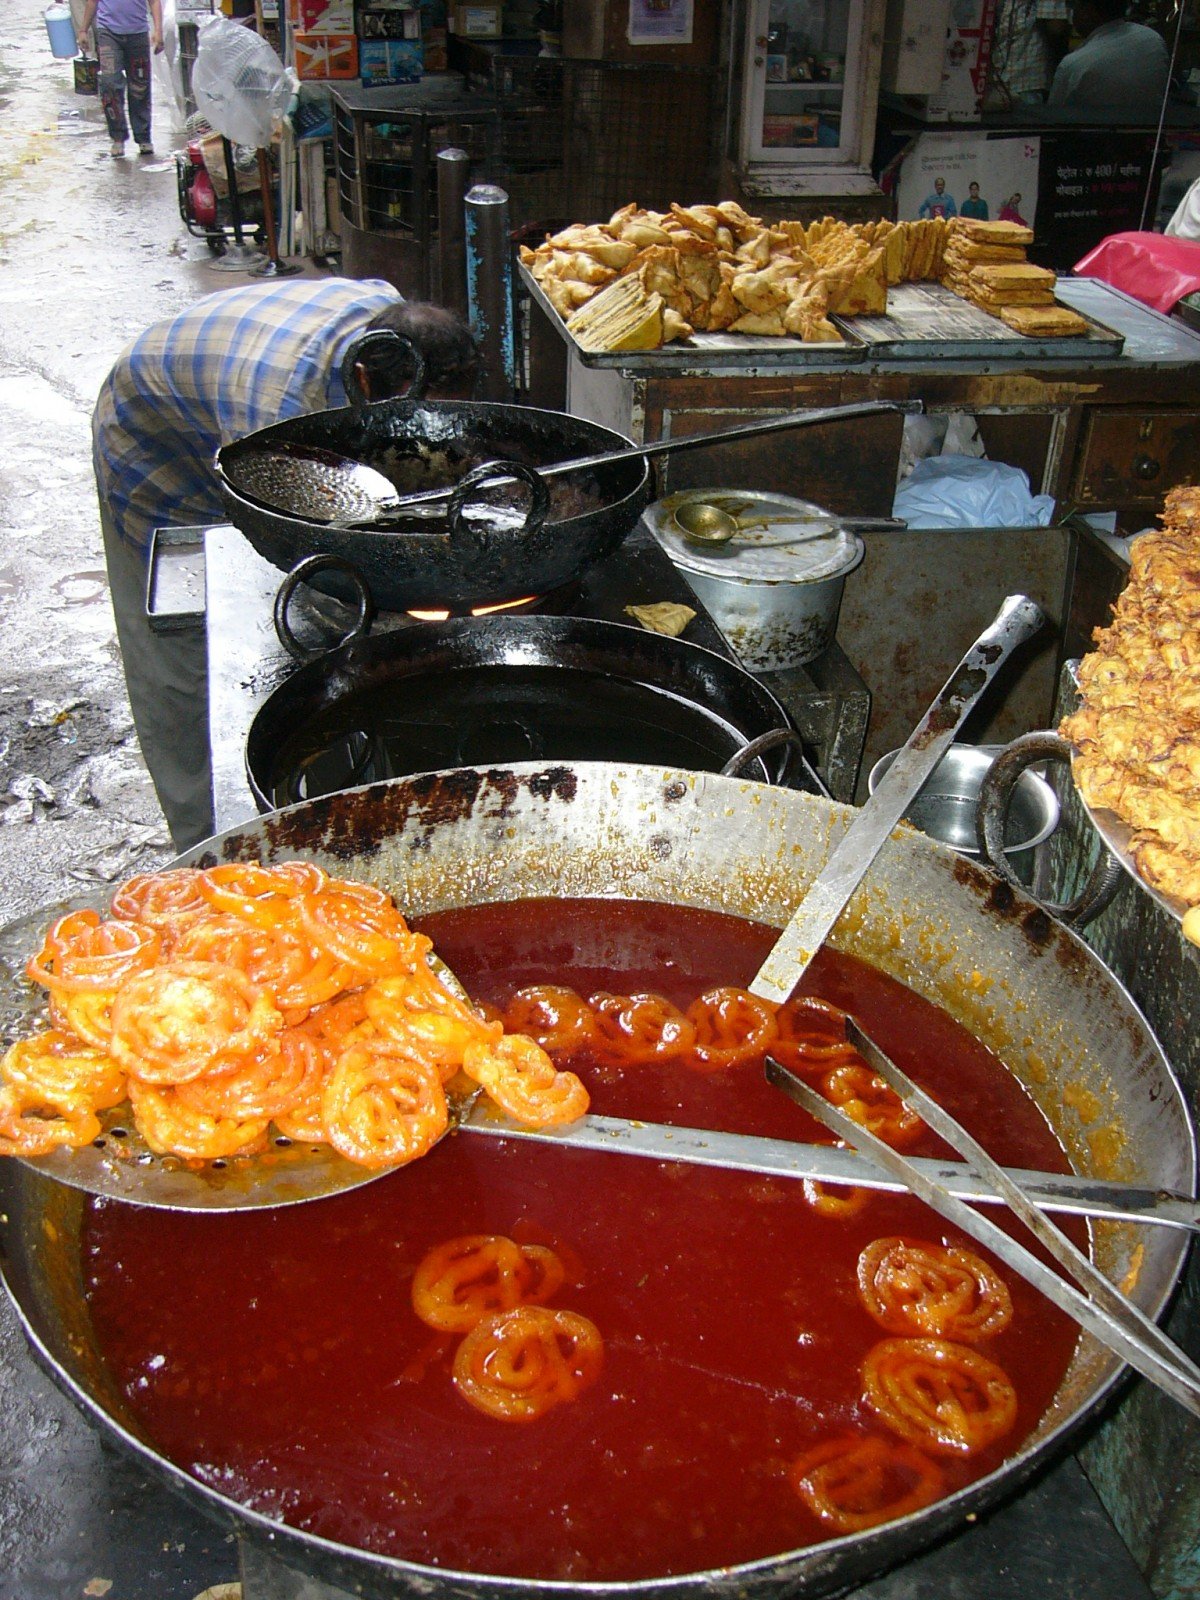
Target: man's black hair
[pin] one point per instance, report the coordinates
(441, 336)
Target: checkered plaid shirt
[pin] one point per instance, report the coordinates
(1021, 56)
(234, 362)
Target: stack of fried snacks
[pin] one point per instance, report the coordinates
(985, 263)
(225, 1002)
(1137, 731)
(716, 268)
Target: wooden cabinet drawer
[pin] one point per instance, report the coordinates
(1136, 456)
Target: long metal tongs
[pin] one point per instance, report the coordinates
(389, 504)
(1112, 1319)
(850, 859)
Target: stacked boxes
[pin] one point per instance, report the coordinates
(377, 41)
(476, 21)
(324, 43)
(389, 41)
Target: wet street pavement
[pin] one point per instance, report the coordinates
(92, 249)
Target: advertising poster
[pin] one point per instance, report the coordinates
(660, 22)
(1093, 188)
(972, 175)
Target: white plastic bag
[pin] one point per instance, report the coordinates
(240, 85)
(964, 492)
(168, 66)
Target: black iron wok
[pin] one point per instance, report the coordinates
(289, 489)
(496, 689)
(1049, 1009)
(458, 560)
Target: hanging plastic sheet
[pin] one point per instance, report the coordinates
(1154, 268)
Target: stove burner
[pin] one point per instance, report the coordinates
(529, 602)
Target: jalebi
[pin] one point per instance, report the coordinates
(937, 1395)
(223, 1001)
(517, 1365)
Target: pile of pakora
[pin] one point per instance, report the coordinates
(1137, 731)
(648, 277)
(645, 278)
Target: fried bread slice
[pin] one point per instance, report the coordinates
(1043, 322)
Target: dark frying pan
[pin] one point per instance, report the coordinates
(499, 689)
(288, 489)
(456, 560)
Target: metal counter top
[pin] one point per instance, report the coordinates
(1151, 340)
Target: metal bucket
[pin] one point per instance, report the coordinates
(947, 806)
(776, 588)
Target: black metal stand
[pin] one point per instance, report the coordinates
(238, 256)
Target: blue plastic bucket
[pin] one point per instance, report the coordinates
(62, 31)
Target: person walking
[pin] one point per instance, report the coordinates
(123, 46)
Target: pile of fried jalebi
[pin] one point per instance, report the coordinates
(223, 1002)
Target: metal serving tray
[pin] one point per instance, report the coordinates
(175, 582)
(705, 351)
(1116, 833)
(927, 321)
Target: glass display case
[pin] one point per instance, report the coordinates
(810, 84)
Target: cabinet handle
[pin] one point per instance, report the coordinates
(1145, 466)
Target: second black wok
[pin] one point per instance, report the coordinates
(511, 689)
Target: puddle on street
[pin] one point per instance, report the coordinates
(82, 588)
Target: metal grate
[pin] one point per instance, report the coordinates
(580, 138)
(636, 133)
(533, 157)
(384, 163)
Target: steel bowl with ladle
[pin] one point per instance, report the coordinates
(704, 522)
(406, 491)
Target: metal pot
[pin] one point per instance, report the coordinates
(947, 806)
(1050, 1010)
(776, 588)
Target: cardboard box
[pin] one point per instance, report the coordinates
(390, 61)
(321, 16)
(433, 43)
(379, 22)
(964, 63)
(325, 55)
(789, 132)
(476, 22)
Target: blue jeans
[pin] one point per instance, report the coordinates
(125, 71)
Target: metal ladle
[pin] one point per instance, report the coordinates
(701, 522)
